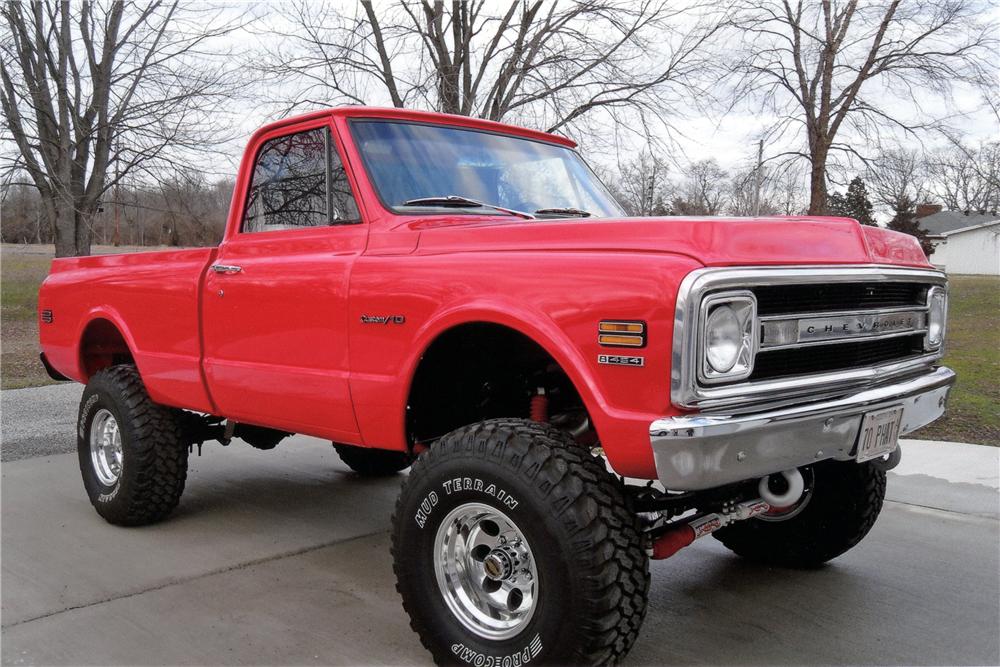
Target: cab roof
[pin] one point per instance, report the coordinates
(452, 120)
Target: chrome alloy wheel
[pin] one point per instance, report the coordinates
(485, 571)
(106, 447)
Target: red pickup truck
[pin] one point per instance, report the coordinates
(574, 391)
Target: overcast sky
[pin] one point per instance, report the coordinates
(730, 138)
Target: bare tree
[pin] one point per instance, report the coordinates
(967, 178)
(182, 209)
(860, 66)
(767, 189)
(642, 185)
(703, 189)
(92, 92)
(547, 64)
(896, 176)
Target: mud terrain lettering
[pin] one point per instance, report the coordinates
(476, 484)
(426, 506)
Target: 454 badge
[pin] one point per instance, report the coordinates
(620, 360)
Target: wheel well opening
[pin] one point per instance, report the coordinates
(483, 371)
(103, 345)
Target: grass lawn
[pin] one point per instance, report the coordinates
(972, 350)
(22, 269)
(973, 346)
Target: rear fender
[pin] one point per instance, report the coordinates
(111, 315)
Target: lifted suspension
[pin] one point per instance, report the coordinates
(670, 525)
(199, 429)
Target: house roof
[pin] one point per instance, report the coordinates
(971, 228)
(942, 222)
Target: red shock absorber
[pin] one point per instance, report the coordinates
(540, 407)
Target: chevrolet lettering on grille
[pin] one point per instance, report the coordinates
(781, 332)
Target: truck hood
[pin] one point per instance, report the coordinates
(711, 241)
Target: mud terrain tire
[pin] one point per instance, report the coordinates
(845, 500)
(150, 477)
(592, 574)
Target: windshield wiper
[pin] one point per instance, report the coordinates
(576, 212)
(464, 202)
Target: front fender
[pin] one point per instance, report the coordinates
(554, 299)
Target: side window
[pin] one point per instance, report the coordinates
(299, 181)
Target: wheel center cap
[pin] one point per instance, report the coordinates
(497, 565)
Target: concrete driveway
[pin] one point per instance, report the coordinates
(281, 557)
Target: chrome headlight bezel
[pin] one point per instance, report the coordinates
(743, 305)
(937, 317)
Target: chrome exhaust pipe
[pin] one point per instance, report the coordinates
(684, 533)
(791, 495)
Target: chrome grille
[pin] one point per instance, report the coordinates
(778, 299)
(886, 323)
(824, 358)
(888, 306)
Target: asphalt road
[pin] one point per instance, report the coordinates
(38, 421)
(282, 557)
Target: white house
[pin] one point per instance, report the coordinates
(974, 250)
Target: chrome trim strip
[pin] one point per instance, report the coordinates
(770, 323)
(703, 451)
(684, 390)
(844, 313)
(717, 398)
(836, 341)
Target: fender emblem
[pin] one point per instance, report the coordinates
(383, 319)
(620, 360)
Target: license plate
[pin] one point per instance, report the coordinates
(879, 433)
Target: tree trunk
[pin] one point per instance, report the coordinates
(817, 183)
(70, 228)
(83, 220)
(63, 224)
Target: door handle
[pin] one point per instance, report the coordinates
(226, 268)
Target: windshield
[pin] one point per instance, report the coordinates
(409, 161)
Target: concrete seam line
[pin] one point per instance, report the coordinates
(185, 580)
(971, 515)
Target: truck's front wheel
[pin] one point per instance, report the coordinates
(512, 544)
(842, 501)
(132, 455)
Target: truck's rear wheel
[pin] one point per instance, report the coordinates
(373, 462)
(511, 544)
(840, 508)
(132, 455)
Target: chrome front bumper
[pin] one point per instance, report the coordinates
(703, 451)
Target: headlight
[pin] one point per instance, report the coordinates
(729, 336)
(937, 315)
(723, 337)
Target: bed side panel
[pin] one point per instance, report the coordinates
(153, 300)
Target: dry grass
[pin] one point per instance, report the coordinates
(22, 270)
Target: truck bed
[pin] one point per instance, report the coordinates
(120, 289)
